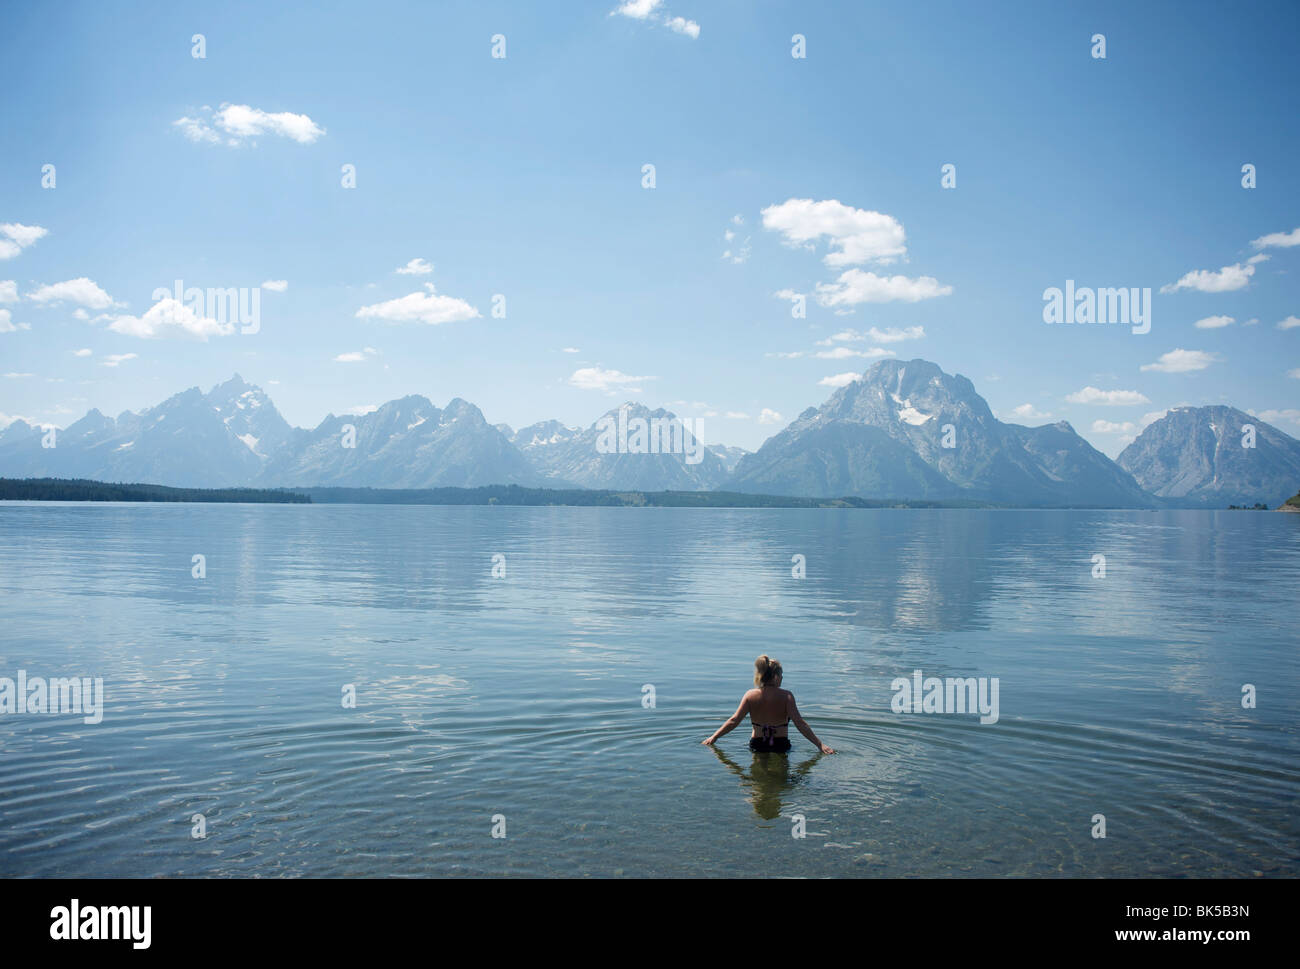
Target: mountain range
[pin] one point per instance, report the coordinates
(1213, 457)
(903, 430)
(908, 428)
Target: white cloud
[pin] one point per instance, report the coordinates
(1288, 416)
(896, 335)
(8, 291)
(1225, 280)
(683, 26)
(1258, 258)
(416, 267)
(1108, 427)
(196, 130)
(170, 317)
(855, 235)
(1181, 361)
(1294, 374)
(856, 286)
(356, 356)
(638, 9)
(360, 410)
(1281, 240)
(81, 290)
(769, 416)
(839, 379)
(236, 123)
(23, 235)
(652, 11)
(17, 237)
(736, 415)
(843, 353)
(16, 376)
(570, 350)
(608, 381)
(1290, 323)
(427, 307)
(1151, 417)
(113, 359)
(7, 324)
(276, 285)
(1109, 398)
(1027, 412)
(839, 353)
(844, 336)
(792, 355)
(740, 254)
(1214, 322)
(240, 121)
(85, 352)
(888, 335)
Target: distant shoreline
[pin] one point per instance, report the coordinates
(60, 489)
(516, 495)
(80, 489)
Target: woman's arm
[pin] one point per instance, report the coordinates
(802, 726)
(732, 722)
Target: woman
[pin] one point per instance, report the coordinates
(770, 709)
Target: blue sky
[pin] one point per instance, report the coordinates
(522, 176)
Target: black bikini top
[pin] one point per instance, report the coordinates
(769, 728)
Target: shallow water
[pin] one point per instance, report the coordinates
(522, 696)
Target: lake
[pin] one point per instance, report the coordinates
(515, 702)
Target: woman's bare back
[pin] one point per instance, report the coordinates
(770, 706)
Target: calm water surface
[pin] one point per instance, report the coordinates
(522, 696)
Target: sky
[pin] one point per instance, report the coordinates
(503, 241)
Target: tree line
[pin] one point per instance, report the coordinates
(81, 489)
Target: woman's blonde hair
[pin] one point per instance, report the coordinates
(766, 671)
